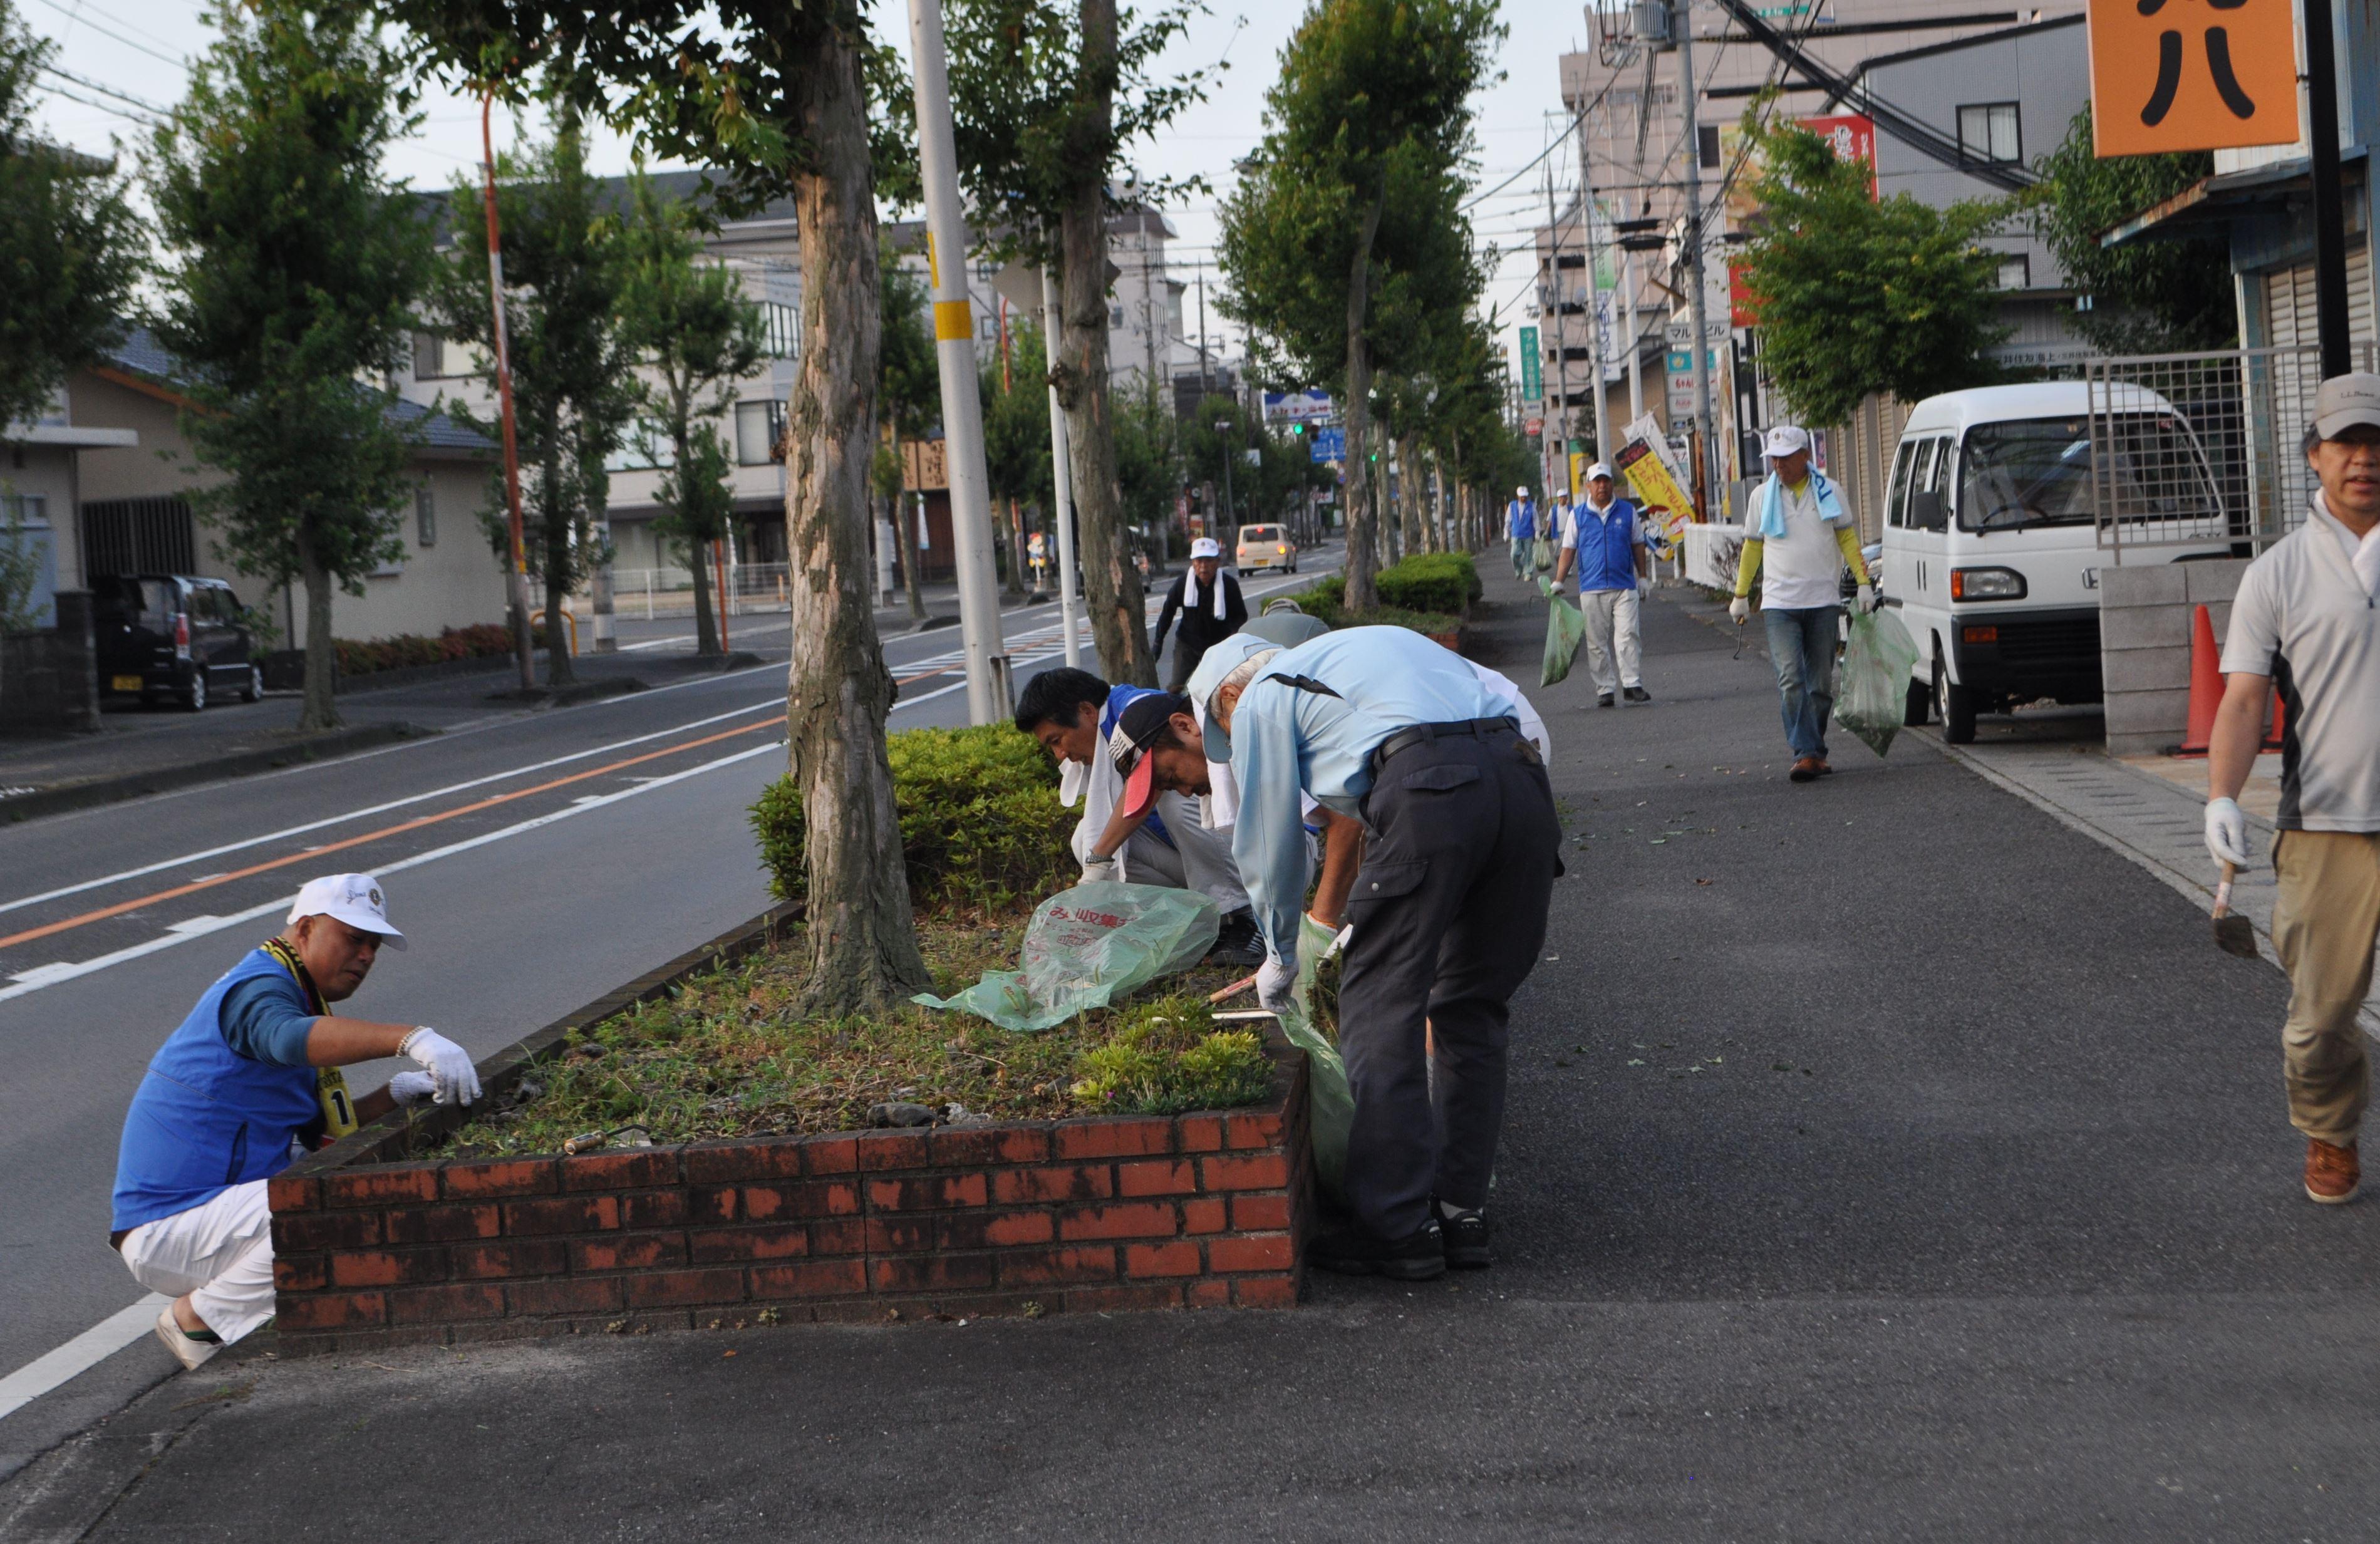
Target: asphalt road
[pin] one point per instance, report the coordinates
(1885, 1160)
(534, 860)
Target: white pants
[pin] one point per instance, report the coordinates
(220, 1253)
(1613, 642)
(1199, 859)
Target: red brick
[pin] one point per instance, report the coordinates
(926, 1193)
(729, 1163)
(1178, 1259)
(379, 1186)
(1270, 1171)
(931, 1273)
(1054, 1267)
(1157, 1176)
(301, 1274)
(1088, 1182)
(636, 1169)
(1119, 1137)
(661, 1288)
(969, 1148)
(333, 1310)
(372, 1268)
(822, 1278)
(711, 1206)
(1207, 1293)
(1265, 1292)
(1264, 1251)
(1020, 1227)
(293, 1193)
(827, 1199)
(1137, 1220)
(563, 1214)
(713, 1245)
(591, 1294)
(1252, 1130)
(300, 1232)
(440, 1225)
(641, 1252)
(1124, 1299)
(830, 1155)
(653, 1208)
(443, 1304)
(514, 1176)
(847, 1235)
(1259, 1213)
(1199, 1133)
(534, 1256)
(880, 1151)
(1203, 1216)
(1023, 1144)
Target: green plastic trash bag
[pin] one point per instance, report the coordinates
(1542, 554)
(1329, 1108)
(1873, 692)
(1087, 946)
(1565, 630)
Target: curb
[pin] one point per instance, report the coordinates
(573, 694)
(115, 790)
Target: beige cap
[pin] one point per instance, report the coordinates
(2346, 401)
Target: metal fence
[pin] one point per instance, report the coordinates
(2203, 449)
(752, 589)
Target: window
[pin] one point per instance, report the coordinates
(425, 517)
(2016, 272)
(758, 428)
(782, 324)
(1987, 132)
(1896, 505)
(1706, 142)
(28, 510)
(438, 358)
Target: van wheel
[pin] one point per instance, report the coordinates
(194, 696)
(1919, 708)
(1955, 705)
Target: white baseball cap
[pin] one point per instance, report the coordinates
(1598, 469)
(354, 899)
(1206, 546)
(2345, 401)
(1523, 490)
(1786, 439)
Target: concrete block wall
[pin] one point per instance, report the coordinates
(2146, 612)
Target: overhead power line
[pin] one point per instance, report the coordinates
(82, 15)
(125, 97)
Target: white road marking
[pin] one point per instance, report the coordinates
(87, 1350)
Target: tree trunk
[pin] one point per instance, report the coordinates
(1017, 584)
(1363, 558)
(1409, 497)
(905, 538)
(1110, 584)
(321, 709)
(863, 939)
(553, 530)
(706, 631)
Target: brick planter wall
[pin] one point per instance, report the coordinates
(1195, 1211)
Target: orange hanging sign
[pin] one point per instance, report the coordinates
(2186, 75)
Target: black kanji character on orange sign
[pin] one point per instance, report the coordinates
(2218, 63)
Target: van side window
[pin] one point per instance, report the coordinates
(1938, 476)
(1896, 506)
(1921, 472)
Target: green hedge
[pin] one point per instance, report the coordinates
(1445, 582)
(1326, 600)
(980, 821)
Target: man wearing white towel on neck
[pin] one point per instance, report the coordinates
(1211, 606)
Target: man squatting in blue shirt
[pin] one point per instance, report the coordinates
(1447, 911)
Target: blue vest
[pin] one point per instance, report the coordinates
(205, 1117)
(1606, 546)
(1119, 698)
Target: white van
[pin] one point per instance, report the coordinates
(1991, 552)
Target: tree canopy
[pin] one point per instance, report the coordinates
(2149, 296)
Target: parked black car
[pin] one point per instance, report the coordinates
(171, 634)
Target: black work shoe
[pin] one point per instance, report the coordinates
(1352, 1252)
(1637, 693)
(1238, 942)
(1603, 700)
(1466, 1240)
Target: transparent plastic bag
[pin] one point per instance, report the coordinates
(1330, 1107)
(1873, 692)
(1087, 946)
(1565, 630)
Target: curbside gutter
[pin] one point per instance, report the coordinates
(63, 798)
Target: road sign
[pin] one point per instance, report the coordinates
(1533, 373)
(2168, 77)
(1308, 405)
(1329, 444)
(1533, 426)
(1681, 335)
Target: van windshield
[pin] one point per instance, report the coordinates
(2038, 471)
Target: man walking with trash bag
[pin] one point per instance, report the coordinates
(1521, 532)
(1797, 539)
(1448, 910)
(1603, 540)
(2307, 620)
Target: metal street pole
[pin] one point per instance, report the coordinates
(521, 644)
(1062, 474)
(1635, 352)
(1693, 147)
(1561, 339)
(1603, 446)
(970, 485)
(2329, 222)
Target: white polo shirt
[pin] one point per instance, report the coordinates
(1802, 568)
(2305, 617)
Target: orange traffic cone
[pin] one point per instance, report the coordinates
(2205, 685)
(2272, 735)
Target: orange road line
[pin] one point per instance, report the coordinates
(30, 934)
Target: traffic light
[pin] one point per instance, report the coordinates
(1297, 429)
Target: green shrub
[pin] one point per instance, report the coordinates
(980, 821)
(1445, 582)
(481, 641)
(1326, 600)
(1169, 1057)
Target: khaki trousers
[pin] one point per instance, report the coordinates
(2324, 922)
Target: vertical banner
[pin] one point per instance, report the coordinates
(1533, 372)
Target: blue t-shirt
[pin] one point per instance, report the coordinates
(1607, 544)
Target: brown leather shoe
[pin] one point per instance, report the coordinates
(1824, 769)
(2332, 1174)
(1808, 769)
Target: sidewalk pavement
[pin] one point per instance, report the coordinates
(1882, 1161)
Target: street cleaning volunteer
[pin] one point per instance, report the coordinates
(250, 1072)
(1521, 532)
(1797, 541)
(1448, 909)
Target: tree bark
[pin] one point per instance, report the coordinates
(904, 535)
(321, 707)
(705, 630)
(862, 937)
(554, 531)
(1110, 584)
(1410, 486)
(1363, 554)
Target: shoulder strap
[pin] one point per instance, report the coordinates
(1304, 683)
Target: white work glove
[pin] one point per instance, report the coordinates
(453, 1078)
(2227, 833)
(1866, 598)
(411, 1087)
(1274, 980)
(1099, 870)
(1739, 609)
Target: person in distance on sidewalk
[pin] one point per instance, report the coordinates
(1603, 540)
(253, 1071)
(1521, 532)
(2307, 617)
(1797, 539)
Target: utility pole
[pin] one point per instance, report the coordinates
(946, 260)
(1693, 147)
(1206, 378)
(2329, 222)
(1562, 343)
(1061, 475)
(1636, 350)
(1603, 446)
(521, 644)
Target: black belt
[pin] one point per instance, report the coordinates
(1423, 734)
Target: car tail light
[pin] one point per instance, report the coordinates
(1283, 551)
(181, 635)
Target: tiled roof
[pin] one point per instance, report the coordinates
(141, 354)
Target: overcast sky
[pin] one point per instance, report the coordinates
(135, 48)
